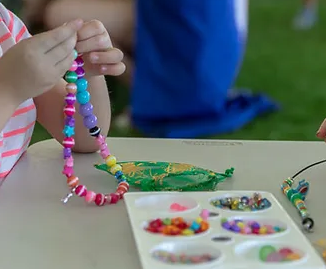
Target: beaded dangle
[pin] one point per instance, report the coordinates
(77, 91)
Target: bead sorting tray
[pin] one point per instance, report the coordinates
(218, 247)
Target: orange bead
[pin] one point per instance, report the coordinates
(73, 181)
(204, 226)
(177, 221)
(167, 229)
(123, 186)
(71, 88)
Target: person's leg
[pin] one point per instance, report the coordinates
(118, 16)
(307, 16)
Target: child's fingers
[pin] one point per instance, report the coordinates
(111, 56)
(54, 38)
(96, 43)
(90, 29)
(63, 65)
(321, 133)
(112, 69)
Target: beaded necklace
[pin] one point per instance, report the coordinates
(77, 91)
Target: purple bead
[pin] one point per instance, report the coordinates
(70, 121)
(66, 153)
(80, 62)
(70, 99)
(86, 110)
(90, 121)
(236, 228)
(80, 72)
(226, 225)
(255, 225)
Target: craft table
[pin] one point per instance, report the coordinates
(38, 231)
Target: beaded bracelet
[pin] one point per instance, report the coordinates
(77, 91)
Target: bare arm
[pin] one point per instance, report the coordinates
(50, 113)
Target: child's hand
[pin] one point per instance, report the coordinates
(100, 57)
(321, 133)
(36, 64)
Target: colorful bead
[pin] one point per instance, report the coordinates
(71, 77)
(90, 196)
(95, 131)
(205, 214)
(90, 121)
(271, 254)
(73, 67)
(68, 171)
(115, 168)
(114, 198)
(81, 84)
(75, 54)
(100, 140)
(70, 99)
(71, 88)
(111, 161)
(80, 72)
(69, 110)
(70, 121)
(72, 181)
(124, 186)
(66, 153)
(68, 131)
(86, 109)
(118, 175)
(68, 142)
(100, 199)
(80, 62)
(69, 161)
(81, 190)
(83, 97)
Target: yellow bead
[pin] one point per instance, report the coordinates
(199, 220)
(110, 160)
(262, 230)
(188, 232)
(115, 168)
(241, 225)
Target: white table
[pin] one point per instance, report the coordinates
(38, 231)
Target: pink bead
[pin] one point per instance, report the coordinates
(68, 171)
(69, 161)
(104, 146)
(105, 153)
(108, 198)
(114, 198)
(100, 140)
(90, 196)
(81, 190)
(100, 199)
(69, 110)
(74, 66)
(204, 214)
(68, 142)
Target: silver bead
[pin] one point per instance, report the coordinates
(68, 196)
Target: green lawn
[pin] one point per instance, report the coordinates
(286, 64)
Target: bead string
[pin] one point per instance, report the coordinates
(77, 91)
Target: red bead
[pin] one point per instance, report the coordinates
(114, 198)
(124, 185)
(69, 110)
(68, 142)
(120, 193)
(81, 190)
(100, 199)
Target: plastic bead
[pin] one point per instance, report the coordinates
(80, 72)
(69, 162)
(83, 97)
(100, 140)
(71, 77)
(68, 142)
(75, 54)
(72, 181)
(82, 85)
(68, 171)
(95, 131)
(70, 121)
(86, 109)
(69, 110)
(90, 196)
(111, 160)
(124, 186)
(90, 121)
(100, 199)
(68, 131)
(81, 190)
(71, 88)
(66, 153)
(80, 62)
(70, 99)
(73, 67)
(114, 198)
(115, 168)
(204, 214)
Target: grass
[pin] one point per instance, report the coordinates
(286, 64)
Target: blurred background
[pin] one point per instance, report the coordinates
(281, 61)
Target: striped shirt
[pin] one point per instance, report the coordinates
(17, 133)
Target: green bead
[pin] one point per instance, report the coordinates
(295, 197)
(71, 77)
(224, 220)
(289, 193)
(167, 221)
(75, 54)
(265, 251)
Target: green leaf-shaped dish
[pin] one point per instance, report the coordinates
(166, 176)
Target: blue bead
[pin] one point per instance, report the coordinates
(118, 174)
(83, 97)
(82, 85)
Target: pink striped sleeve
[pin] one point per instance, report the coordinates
(16, 27)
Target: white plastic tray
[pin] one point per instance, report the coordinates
(240, 252)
